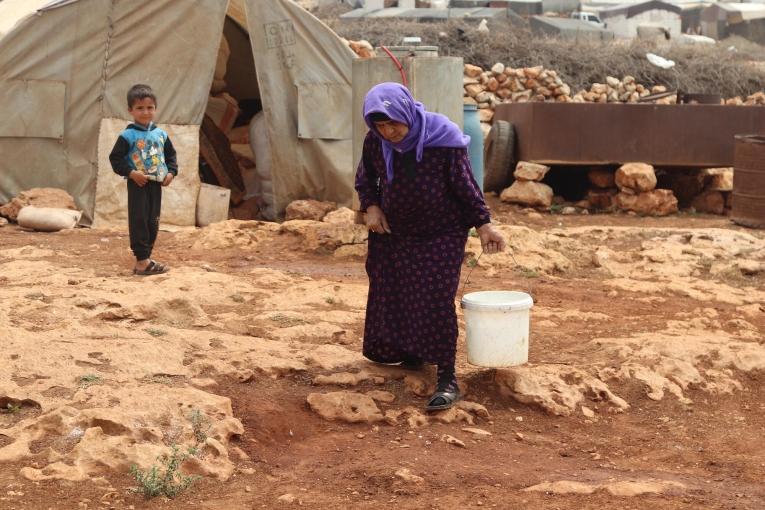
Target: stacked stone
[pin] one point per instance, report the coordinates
(756, 99)
(527, 188)
(637, 193)
(716, 195)
(601, 195)
(507, 85)
(626, 90)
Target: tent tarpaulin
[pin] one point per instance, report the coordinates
(70, 67)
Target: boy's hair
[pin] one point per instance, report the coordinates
(138, 92)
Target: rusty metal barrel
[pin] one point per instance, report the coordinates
(749, 181)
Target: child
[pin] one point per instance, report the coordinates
(145, 156)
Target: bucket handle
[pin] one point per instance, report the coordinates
(467, 279)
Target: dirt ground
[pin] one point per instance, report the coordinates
(644, 387)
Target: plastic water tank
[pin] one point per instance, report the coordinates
(475, 149)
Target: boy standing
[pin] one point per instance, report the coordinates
(144, 155)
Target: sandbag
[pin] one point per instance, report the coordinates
(48, 219)
(262, 149)
(221, 62)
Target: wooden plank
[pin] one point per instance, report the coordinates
(222, 146)
(208, 153)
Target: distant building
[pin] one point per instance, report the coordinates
(721, 20)
(624, 19)
(568, 29)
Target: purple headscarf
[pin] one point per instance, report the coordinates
(426, 129)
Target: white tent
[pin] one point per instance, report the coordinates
(65, 67)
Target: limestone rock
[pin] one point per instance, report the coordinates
(556, 389)
(406, 475)
(528, 193)
(415, 418)
(636, 176)
(659, 202)
(446, 438)
(343, 216)
(342, 379)
(324, 236)
(472, 71)
(345, 406)
(720, 179)
(287, 498)
(498, 68)
(476, 431)
(418, 385)
(473, 407)
(562, 487)
(602, 178)
(38, 197)
(308, 210)
(351, 251)
(455, 415)
(382, 396)
(526, 171)
(709, 201)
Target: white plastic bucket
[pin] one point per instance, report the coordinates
(212, 204)
(497, 327)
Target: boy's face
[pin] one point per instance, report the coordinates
(143, 110)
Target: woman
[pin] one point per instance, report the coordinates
(416, 186)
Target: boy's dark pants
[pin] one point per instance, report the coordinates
(144, 205)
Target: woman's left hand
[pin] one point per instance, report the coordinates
(491, 240)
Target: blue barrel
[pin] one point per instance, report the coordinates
(475, 149)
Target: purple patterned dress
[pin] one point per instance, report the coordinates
(414, 272)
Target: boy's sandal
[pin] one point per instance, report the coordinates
(162, 267)
(442, 400)
(152, 268)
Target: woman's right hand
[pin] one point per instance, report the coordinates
(376, 221)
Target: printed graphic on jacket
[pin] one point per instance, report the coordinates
(147, 156)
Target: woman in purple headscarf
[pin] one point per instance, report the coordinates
(417, 189)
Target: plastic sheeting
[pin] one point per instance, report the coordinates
(298, 60)
(97, 49)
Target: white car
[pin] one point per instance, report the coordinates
(589, 17)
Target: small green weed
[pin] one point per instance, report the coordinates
(473, 232)
(528, 273)
(89, 380)
(556, 208)
(156, 332)
(237, 298)
(330, 300)
(472, 262)
(12, 408)
(200, 424)
(165, 479)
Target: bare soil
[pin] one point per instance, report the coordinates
(712, 447)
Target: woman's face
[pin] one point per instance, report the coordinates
(391, 130)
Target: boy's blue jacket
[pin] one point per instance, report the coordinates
(147, 149)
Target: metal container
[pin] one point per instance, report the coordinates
(698, 136)
(749, 181)
(433, 80)
(411, 51)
